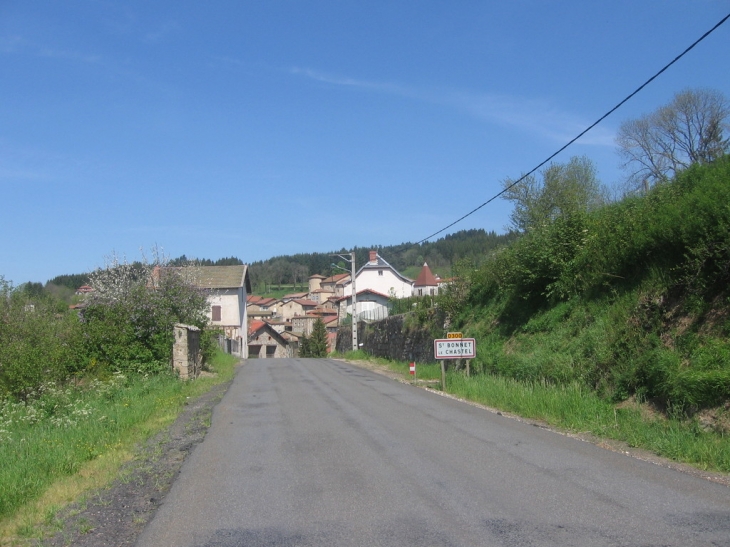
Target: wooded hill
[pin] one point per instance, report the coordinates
(294, 270)
(440, 255)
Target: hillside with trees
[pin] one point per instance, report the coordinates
(630, 298)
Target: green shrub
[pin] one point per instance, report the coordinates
(37, 343)
(128, 323)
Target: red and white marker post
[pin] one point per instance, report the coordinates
(413, 369)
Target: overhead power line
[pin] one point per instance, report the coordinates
(586, 130)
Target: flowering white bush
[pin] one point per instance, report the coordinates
(128, 323)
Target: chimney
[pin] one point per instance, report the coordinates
(373, 256)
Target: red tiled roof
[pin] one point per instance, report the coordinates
(425, 278)
(319, 312)
(295, 295)
(336, 278)
(255, 325)
(305, 302)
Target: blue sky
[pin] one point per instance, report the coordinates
(256, 129)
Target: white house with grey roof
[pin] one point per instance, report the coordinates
(227, 288)
(379, 276)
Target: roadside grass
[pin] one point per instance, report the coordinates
(67, 440)
(574, 408)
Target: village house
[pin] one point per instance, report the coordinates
(296, 307)
(329, 304)
(279, 326)
(321, 295)
(426, 283)
(371, 305)
(315, 282)
(294, 296)
(336, 284)
(265, 343)
(305, 323)
(381, 277)
(259, 315)
(227, 288)
(256, 303)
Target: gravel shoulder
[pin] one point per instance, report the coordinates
(116, 515)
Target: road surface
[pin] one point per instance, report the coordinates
(317, 452)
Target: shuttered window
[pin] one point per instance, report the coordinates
(216, 313)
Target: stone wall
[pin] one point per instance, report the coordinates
(186, 356)
(393, 338)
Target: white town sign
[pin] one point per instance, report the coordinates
(454, 348)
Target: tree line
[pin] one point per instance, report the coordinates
(441, 254)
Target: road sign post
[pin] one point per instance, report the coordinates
(453, 347)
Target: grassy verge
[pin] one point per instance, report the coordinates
(67, 440)
(573, 408)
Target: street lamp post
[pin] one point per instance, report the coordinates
(351, 260)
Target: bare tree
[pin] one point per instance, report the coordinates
(688, 130)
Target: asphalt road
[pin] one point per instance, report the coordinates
(315, 452)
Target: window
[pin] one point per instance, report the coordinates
(380, 273)
(216, 310)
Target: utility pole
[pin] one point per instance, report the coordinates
(353, 271)
(354, 305)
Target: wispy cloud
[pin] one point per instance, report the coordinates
(383, 87)
(18, 45)
(537, 116)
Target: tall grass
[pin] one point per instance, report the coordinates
(575, 408)
(58, 430)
